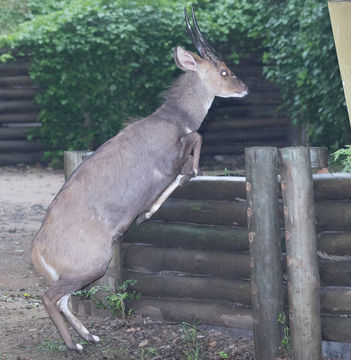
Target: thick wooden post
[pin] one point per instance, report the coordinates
(72, 159)
(265, 253)
(301, 251)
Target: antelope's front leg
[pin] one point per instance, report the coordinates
(190, 143)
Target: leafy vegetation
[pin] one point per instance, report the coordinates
(115, 302)
(100, 62)
(300, 50)
(342, 157)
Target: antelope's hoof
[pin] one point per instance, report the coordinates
(76, 347)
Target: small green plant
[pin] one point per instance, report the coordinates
(226, 172)
(343, 157)
(192, 341)
(148, 352)
(223, 355)
(112, 301)
(286, 331)
(49, 345)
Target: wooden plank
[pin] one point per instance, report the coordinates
(336, 300)
(242, 135)
(168, 285)
(20, 145)
(335, 272)
(188, 236)
(333, 186)
(265, 250)
(212, 188)
(18, 106)
(336, 329)
(18, 157)
(192, 261)
(14, 133)
(17, 68)
(17, 94)
(236, 149)
(203, 212)
(333, 215)
(19, 80)
(221, 123)
(194, 311)
(31, 117)
(334, 243)
(301, 251)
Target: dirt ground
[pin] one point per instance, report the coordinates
(26, 332)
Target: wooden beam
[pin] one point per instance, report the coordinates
(192, 261)
(301, 250)
(193, 311)
(265, 250)
(231, 213)
(168, 285)
(188, 236)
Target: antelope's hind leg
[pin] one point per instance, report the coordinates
(56, 300)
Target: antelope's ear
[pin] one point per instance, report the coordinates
(186, 60)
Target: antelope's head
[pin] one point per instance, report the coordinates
(213, 72)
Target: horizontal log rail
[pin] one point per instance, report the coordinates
(18, 106)
(14, 133)
(19, 68)
(192, 311)
(334, 215)
(334, 243)
(19, 80)
(26, 117)
(17, 94)
(20, 145)
(241, 135)
(238, 148)
(157, 259)
(20, 157)
(233, 124)
(191, 287)
(230, 213)
(188, 236)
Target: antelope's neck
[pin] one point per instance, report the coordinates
(190, 101)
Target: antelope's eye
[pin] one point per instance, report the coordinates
(224, 73)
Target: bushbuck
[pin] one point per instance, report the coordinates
(126, 178)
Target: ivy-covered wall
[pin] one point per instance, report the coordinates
(100, 61)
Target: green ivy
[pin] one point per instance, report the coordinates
(301, 58)
(99, 62)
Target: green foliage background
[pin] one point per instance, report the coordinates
(101, 61)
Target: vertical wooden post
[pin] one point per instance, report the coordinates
(72, 159)
(265, 249)
(301, 251)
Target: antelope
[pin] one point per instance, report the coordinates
(127, 178)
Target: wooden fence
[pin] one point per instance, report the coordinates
(18, 115)
(191, 260)
(231, 125)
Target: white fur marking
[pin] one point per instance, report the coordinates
(49, 269)
(163, 197)
(63, 306)
(79, 347)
